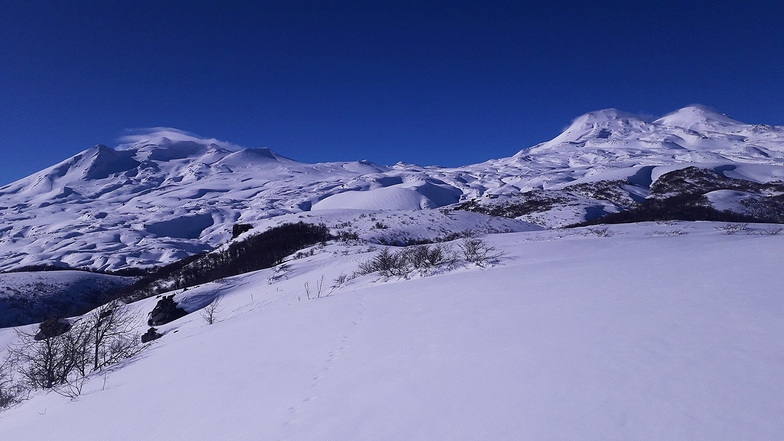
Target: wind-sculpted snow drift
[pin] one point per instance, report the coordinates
(167, 194)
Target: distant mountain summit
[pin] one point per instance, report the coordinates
(610, 139)
(699, 118)
(164, 194)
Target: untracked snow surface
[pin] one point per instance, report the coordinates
(643, 332)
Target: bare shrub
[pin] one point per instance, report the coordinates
(478, 252)
(210, 312)
(72, 386)
(774, 231)
(340, 281)
(112, 332)
(103, 337)
(280, 273)
(667, 233)
(319, 289)
(386, 263)
(43, 363)
(600, 231)
(426, 258)
(10, 392)
(730, 229)
(320, 286)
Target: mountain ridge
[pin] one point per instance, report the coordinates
(166, 193)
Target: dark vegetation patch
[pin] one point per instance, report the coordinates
(677, 195)
(695, 180)
(770, 208)
(534, 201)
(611, 191)
(687, 207)
(538, 201)
(681, 195)
(263, 250)
(37, 301)
(62, 266)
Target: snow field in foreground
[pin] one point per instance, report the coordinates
(639, 335)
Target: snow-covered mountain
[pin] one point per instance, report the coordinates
(609, 144)
(168, 194)
(649, 331)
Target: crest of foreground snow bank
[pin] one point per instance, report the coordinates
(655, 332)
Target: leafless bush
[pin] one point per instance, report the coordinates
(600, 231)
(10, 392)
(774, 231)
(427, 257)
(280, 273)
(401, 263)
(340, 281)
(112, 329)
(72, 386)
(101, 338)
(667, 233)
(319, 289)
(44, 363)
(478, 252)
(730, 229)
(386, 263)
(210, 312)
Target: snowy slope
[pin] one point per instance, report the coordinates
(29, 297)
(656, 331)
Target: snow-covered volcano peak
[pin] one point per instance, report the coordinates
(610, 139)
(253, 158)
(699, 118)
(602, 124)
(607, 116)
(165, 143)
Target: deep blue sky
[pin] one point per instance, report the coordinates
(447, 83)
